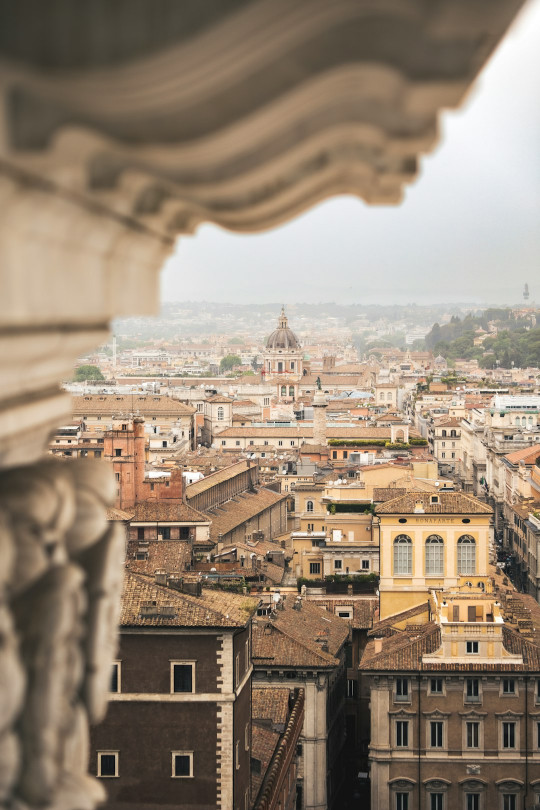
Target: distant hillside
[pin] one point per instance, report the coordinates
(516, 341)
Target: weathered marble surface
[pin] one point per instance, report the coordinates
(60, 580)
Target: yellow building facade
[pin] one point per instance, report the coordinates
(432, 541)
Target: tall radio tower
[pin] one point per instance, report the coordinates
(526, 292)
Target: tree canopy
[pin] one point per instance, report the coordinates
(229, 361)
(88, 372)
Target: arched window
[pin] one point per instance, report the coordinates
(453, 434)
(220, 414)
(434, 555)
(309, 506)
(466, 555)
(291, 390)
(517, 421)
(402, 554)
(389, 396)
(530, 420)
(444, 433)
(524, 420)
(283, 390)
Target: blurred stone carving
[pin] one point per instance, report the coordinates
(59, 610)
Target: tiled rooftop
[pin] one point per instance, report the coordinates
(289, 639)
(163, 511)
(218, 477)
(449, 503)
(240, 509)
(213, 608)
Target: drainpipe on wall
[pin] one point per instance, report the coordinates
(419, 730)
(526, 740)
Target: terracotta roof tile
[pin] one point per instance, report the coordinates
(289, 639)
(172, 555)
(212, 609)
(270, 703)
(526, 454)
(168, 512)
(129, 403)
(218, 477)
(448, 503)
(240, 509)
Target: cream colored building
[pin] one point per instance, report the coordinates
(431, 541)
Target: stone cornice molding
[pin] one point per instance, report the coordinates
(262, 113)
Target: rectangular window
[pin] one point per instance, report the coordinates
(472, 690)
(314, 568)
(182, 764)
(117, 476)
(184, 532)
(473, 734)
(436, 686)
(182, 677)
(436, 801)
(140, 533)
(166, 532)
(472, 801)
(351, 688)
(508, 735)
(107, 763)
(402, 689)
(509, 801)
(472, 647)
(118, 452)
(237, 669)
(509, 686)
(402, 733)
(402, 801)
(334, 453)
(115, 685)
(365, 565)
(436, 734)
(237, 755)
(337, 564)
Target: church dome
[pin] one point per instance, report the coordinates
(283, 337)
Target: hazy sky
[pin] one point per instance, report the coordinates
(468, 230)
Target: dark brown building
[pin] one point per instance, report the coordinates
(177, 731)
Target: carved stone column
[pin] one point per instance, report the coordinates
(59, 608)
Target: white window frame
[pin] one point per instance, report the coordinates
(512, 693)
(408, 726)
(175, 754)
(116, 755)
(434, 556)
(472, 647)
(476, 699)
(442, 691)
(429, 731)
(466, 555)
(118, 665)
(400, 697)
(182, 663)
(403, 555)
(506, 721)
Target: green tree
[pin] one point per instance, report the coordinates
(229, 361)
(88, 372)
